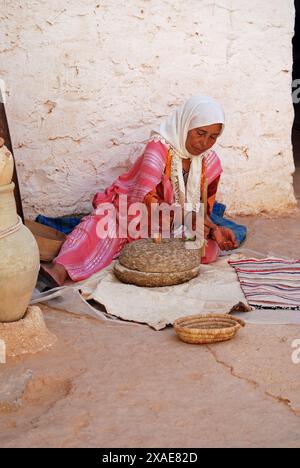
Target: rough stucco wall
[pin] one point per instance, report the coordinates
(87, 79)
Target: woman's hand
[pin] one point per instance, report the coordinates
(207, 226)
(225, 238)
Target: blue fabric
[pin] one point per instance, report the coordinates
(217, 217)
(65, 225)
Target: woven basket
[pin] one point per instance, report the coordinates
(205, 329)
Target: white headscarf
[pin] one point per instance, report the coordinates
(198, 111)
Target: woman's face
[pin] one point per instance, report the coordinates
(202, 139)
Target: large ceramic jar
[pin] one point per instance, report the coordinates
(19, 259)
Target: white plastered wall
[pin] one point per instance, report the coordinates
(86, 80)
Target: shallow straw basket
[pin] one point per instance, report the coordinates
(205, 329)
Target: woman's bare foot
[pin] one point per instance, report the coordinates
(56, 272)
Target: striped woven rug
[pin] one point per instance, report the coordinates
(270, 282)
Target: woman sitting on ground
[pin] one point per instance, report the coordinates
(172, 169)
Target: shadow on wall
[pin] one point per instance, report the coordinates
(296, 76)
(5, 134)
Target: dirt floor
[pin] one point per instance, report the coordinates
(125, 385)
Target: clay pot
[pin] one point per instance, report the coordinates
(19, 260)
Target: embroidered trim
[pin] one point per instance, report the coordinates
(175, 154)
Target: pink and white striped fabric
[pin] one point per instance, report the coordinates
(84, 253)
(270, 282)
(213, 167)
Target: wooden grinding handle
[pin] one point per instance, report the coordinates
(205, 201)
